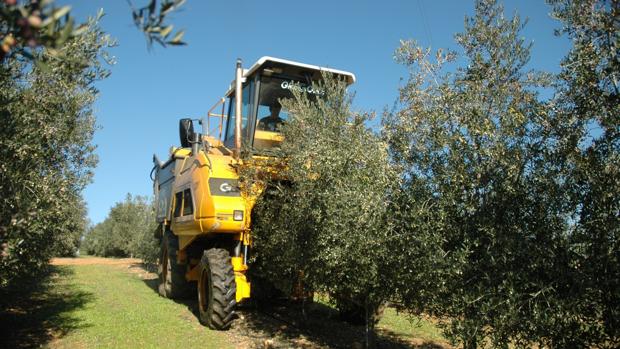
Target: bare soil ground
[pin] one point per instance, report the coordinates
(95, 260)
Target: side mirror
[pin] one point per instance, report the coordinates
(186, 132)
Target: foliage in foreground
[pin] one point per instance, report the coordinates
(587, 135)
(509, 208)
(127, 231)
(323, 218)
(481, 225)
(26, 26)
(505, 221)
(46, 155)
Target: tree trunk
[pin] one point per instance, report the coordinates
(371, 342)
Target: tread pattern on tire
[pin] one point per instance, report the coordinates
(220, 289)
(175, 286)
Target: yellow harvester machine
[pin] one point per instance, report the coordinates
(204, 220)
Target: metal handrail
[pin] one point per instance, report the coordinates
(221, 116)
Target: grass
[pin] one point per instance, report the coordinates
(126, 314)
(114, 309)
(396, 328)
(409, 327)
(39, 311)
(111, 306)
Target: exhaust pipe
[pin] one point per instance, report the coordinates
(195, 137)
(238, 97)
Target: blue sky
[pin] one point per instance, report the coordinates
(140, 103)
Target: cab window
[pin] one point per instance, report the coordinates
(245, 111)
(270, 114)
(271, 91)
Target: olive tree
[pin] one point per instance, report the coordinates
(46, 154)
(26, 26)
(322, 217)
(127, 231)
(586, 132)
(481, 214)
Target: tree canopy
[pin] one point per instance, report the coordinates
(482, 203)
(127, 231)
(26, 26)
(46, 154)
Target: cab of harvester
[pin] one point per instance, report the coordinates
(204, 226)
(262, 86)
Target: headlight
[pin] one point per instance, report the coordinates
(237, 215)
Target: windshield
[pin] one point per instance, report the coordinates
(270, 114)
(269, 109)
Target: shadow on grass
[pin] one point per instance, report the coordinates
(387, 335)
(285, 324)
(39, 311)
(153, 283)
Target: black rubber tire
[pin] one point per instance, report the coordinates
(172, 282)
(216, 289)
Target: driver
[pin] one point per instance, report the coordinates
(272, 121)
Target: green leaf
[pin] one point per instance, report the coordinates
(166, 31)
(66, 32)
(176, 43)
(80, 30)
(177, 39)
(100, 15)
(44, 67)
(166, 8)
(61, 12)
(151, 7)
(158, 40)
(152, 29)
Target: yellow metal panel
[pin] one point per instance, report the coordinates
(267, 139)
(179, 153)
(243, 287)
(238, 265)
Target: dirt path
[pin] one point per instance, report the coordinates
(95, 260)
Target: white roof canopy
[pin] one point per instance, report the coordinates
(267, 62)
